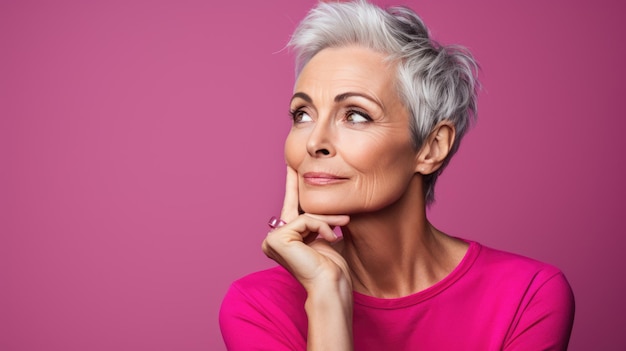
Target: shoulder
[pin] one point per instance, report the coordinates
(512, 272)
(511, 278)
(267, 306)
(514, 267)
(542, 295)
(267, 289)
(267, 281)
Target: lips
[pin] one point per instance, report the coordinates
(318, 178)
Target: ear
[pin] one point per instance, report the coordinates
(436, 148)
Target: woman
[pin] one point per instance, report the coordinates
(378, 111)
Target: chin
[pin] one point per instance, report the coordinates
(342, 205)
(325, 206)
(333, 207)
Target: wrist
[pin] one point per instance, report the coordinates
(333, 296)
(329, 313)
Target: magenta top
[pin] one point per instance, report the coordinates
(493, 300)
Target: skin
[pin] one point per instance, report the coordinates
(351, 163)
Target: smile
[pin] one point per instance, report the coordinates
(314, 178)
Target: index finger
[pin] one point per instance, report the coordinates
(291, 202)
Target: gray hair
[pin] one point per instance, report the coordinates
(435, 82)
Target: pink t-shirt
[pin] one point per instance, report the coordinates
(492, 301)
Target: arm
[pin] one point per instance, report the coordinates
(265, 311)
(320, 269)
(329, 312)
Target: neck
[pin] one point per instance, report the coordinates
(395, 251)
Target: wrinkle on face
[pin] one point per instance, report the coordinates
(377, 156)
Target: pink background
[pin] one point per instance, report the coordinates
(141, 156)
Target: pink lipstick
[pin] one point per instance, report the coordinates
(317, 178)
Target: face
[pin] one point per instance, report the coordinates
(350, 142)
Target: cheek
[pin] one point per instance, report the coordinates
(379, 156)
(382, 186)
(385, 171)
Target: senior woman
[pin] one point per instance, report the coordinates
(378, 111)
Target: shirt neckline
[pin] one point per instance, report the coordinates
(381, 303)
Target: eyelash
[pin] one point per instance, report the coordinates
(360, 113)
(294, 114)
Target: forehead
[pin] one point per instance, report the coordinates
(350, 67)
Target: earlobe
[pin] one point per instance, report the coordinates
(435, 148)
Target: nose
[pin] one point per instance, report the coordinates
(320, 142)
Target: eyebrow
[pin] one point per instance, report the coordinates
(302, 96)
(338, 98)
(344, 96)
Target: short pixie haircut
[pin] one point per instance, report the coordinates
(435, 82)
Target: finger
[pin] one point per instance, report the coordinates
(289, 244)
(294, 245)
(305, 228)
(332, 220)
(311, 226)
(290, 204)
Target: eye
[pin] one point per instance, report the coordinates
(357, 117)
(300, 116)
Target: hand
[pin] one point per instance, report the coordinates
(303, 245)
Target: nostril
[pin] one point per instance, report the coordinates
(324, 152)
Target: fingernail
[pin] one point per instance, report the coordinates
(337, 232)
